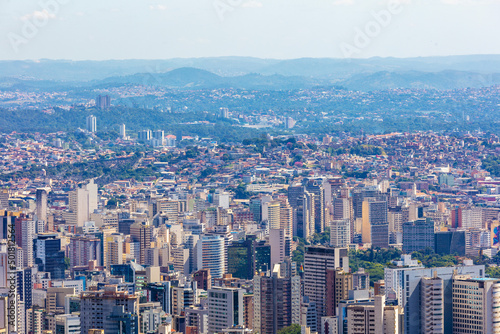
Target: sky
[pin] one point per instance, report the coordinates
(282, 29)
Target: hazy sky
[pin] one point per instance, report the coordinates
(160, 29)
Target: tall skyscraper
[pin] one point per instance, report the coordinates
(317, 260)
(418, 235)
(84, 249)
(286, 217)
(211, 254)
(225, 309)
(48, 255)
(158, 138)
(41, 204)
(4, 199)
(432, 305)
(123, 131)
(373, 317)
(142, 233)
(109, 310)
(241, 258)
(304, 223)
(340, 233)
(476, 305)
(375, 228)
(103, 102)
(278, 246)
(25, 233)
(91, 123)
(316, 187)
(82, 202)
(404, 285)
(67, 324)
(144, 136)
(338, 284)
(276, 302)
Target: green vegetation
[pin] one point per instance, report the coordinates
(293, 329)
(105, 170)
(492, 165)
(493, 271)
(316, 239)
(373, 261)
(429, 259)
(240, 192)
(361, 150)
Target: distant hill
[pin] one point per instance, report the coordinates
(192, 78)
(254, 73)
(421, 80)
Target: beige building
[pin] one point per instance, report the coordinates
(373, 319)
(476, 305)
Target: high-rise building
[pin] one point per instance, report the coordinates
(109, 310)
(158, 138)
(225, 309)
(262, 256)
(103, 102)
(286, 217)
(91, 123)
(7, 219)
(476, 305)
(248, 307)
(358, 197)
(255, 206)
(361, 280)
(241, 258)
(25, 286)
(450, 242)
(472, 218)
(41, 204)
(278, 246)
(304, 215)
(224, 112)
(25, 233)
(4, 199)
(84, 249)
(317, 260)
(373, 317)
(160, 293)
(34, 320)
(183, 297)
(48, 255)
(123, 131)
(276, 302)
(211, 254)
(316, 187)
(418, 235)
(338, 284)
(404, 285)
(375, 228)
(114, 252)
(142, 233)
(144, 136)
(340, 233)
(67, 324)
(82, 202)
(432, 305)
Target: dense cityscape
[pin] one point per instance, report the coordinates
(250, 167)
(148, 232)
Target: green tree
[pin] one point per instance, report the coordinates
(293, 329)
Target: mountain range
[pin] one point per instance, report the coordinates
(371, 74)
